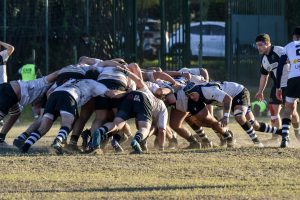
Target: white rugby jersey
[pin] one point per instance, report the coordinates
(97, 62)
(153, 87)
(292, 50)
(213, 93)
(32, 90)
(113, 73)
(197, 79)
(231, 88)
(83, 90)
(3, 58)
(194, 71)
(181, 101)
(159, 109)
(74, 69)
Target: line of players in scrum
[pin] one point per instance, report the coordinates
(116, 91)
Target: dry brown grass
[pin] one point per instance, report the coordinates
(241, 173)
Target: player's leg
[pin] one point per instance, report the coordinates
(46, 124)
(20, 140)
(14, 113)
(141, 134)
(203, 139)
(85, 114)
(286, 120)
(275, 117)
(239, 115)
(206, 119)
(67, 120)
(176, 124)
(295, 122)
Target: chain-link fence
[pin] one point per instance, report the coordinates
(245, 22)
(215, 34)
(52, 33)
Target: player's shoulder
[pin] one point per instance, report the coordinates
(279, 50)
(292, 44)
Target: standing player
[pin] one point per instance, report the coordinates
(4, 55)
(292, 53)
(271, 56)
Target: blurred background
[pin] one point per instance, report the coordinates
(216, 34)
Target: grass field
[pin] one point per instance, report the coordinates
(244, 172)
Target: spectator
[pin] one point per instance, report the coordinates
(29, 72)
(84, 46)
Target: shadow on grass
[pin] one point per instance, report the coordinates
(14, 151)
(44, 150)
(131, 189)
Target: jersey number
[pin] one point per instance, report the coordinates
(137, 98)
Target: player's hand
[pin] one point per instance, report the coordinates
(176, 87)
(123, 69)
(259, 96)
(187, 75)
(224, 121)
(279, 94)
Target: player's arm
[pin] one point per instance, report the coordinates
(88, 60)
(164, 76)
(138, 81)
(174, 73)
(161, 92)
(53, 76)
(10, 49)
(109, 63)
(227, 101)
(262, 84)
(213, 93)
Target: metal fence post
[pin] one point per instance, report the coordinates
(75, 54)
(4, 20)
(200, 59)
(46, 36)
(134, 30)
(186, 18)
(87, 16)
(114, 28)
(33, 56)
(162, 35)
(228, 49)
